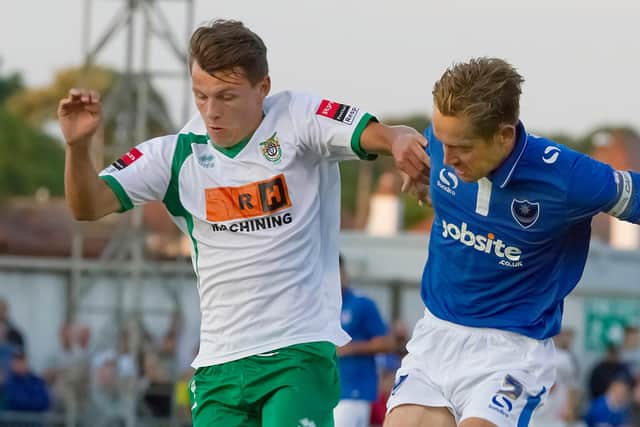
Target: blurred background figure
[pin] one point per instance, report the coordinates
(609, 368)
(14, 336)
(630, 352)
(612, 408)
(562, 406)
(67, 369)
(24, 390)
(110, 403)
(361, 319)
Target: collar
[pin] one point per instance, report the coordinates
(502, 174)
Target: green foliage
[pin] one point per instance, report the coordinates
(413, 214)
(39, 105)
(28, 159)
(10, 85)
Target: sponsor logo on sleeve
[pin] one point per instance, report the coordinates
(340, 112)
(127, 159)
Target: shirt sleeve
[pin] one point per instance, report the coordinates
(330, 129)
(596, 187)
(373, 320)
(428, 134)
(142, 174)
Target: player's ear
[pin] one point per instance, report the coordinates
(506, 135)
(265, 86)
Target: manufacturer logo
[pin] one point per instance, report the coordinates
(509, 256)
(525, 212)
(551, 154)
(502, 402)
(398, 383)
(248, 201)
(306, 422)
(271, 149)
(206, 160)
(447, 181)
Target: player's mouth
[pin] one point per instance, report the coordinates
(215, 129)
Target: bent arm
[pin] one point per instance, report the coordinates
(627, 204)
(88, 196)
(375, 345)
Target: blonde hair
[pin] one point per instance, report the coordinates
(486, 91)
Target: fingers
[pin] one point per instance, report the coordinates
(80, 98)
(415, 162)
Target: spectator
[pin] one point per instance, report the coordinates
(361, 319)
(612, 408)
(110, 404)
(604, 372)
(6, 351)
(387, 367)
(67, 369)
(13, 335)
(631, 349)
(25, 391)
(561, 408)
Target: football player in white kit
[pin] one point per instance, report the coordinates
(253, 181)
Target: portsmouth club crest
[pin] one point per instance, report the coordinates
(271, 149)
(524, 212)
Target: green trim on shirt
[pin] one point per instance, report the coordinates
(121, 195)
(172, 196)
(235, 149)
(357, 134)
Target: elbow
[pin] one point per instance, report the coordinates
(83, 214)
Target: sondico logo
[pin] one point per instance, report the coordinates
(509, 255)
(447, 181)
(551, 154)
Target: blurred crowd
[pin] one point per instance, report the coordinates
(102, 385)
(107, 384)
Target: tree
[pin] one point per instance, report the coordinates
(413, 214)
(10, 85)
(29, 159)
(39, 105)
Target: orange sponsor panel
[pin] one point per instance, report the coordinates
(247, 201)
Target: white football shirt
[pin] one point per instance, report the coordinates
(263, 219)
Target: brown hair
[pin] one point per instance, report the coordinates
(226, 46)
(484, 90)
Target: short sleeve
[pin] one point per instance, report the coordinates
(328, 128)
(592, 188)
(142, 174)
(428, 134)
(373, 320)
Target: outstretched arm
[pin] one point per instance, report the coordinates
(407, 146)
(80, 115)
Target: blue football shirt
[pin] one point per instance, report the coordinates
(361, 319)
(506, 250)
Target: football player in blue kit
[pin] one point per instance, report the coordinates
(509, 241)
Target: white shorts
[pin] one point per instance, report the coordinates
(491, 374)
(352, 413)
